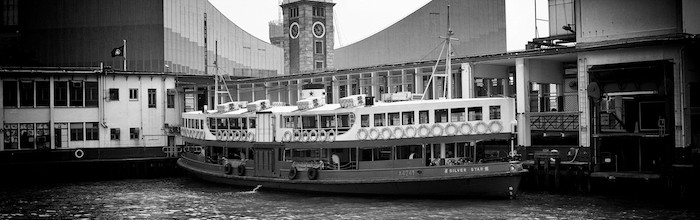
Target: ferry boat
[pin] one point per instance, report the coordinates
(412, 147)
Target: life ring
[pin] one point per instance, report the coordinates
(410, 132)
(292, 173)
(228, 169)
(451, 129)
(219, 135)
(331, 136)
(236, 135)
(495, 127)
(244, 136)
(466, 128)
(304, 136)
(287, 136)
(481, 128)
(387, 134)
(423, 131)
(251, 136)
(297, 136)
(312, 173)
(362, 134)
(322, 135)
(313, 136)
(398, 132)
(79, 153)
(240, 170)
(437, 130)
(374, 134)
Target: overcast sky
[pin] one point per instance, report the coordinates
(358, 19)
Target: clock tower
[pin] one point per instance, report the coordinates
(308, 45)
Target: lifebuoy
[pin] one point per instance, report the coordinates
(466, 128)
(312, 173)
(228, 169)
(322, 135)
(219, 135)
(374, 134)
(236, 135)
(292, 173)
(297, 136)
(481, 128)
(331, 136)
(398, 132)
(287, 136)
(79, 153)
(495, 127)
(386, 133)
(423, 131)
(313, 136)
(251, 136)
(410, 132)
(244, 136)
(240, 170)
(362, 134)
(304, 136)
(437, 130)
(451, 129)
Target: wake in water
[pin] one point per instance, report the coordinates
(251, 192)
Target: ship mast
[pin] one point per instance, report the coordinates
(447, 82)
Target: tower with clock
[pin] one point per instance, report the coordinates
(309, 43)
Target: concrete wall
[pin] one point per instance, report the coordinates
(691, 17)
(479, 25)
(601, 20)
(561, 13)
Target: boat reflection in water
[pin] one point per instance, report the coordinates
(407, 147)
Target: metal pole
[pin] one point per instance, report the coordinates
(124, 55)
(448, 62)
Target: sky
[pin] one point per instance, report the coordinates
(359, 19)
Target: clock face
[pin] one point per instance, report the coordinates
(294, 30)
(319, 30)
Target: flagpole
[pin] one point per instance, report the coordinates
(124, 55)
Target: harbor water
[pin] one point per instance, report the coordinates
(188, 198)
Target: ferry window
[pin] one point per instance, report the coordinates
(114, 134)
(409, 152)
(290, 121)
(407, 118)
(366, 154)
(457, 115)
(60, 93)
(91, 93)
(233, 123)
(26, 94)
(212, 123)
(42, 93)
(92, 131)
(9, 96)
(328, 121)
(244, 123)
(308, 122)
(474, 114)
(76, 131)
(222, 123)
(423, 117)
(345, 121)
(364, 121)
(113, 94)
(495, 112)
(134, 133)
(382, 153)
(379, 120)
(252, 123)
(440, 115)
(394, 119)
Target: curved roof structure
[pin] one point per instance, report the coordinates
(480, 26)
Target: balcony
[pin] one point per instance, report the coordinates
(554, 113)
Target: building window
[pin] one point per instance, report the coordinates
(60, 93)
(92, 131)
(134, 133)
(318, 47)
(114, 134)
(76, 93)
(76, 131)
(319, 11)
(26, 138)
(9, 12)
(319, 65)
(133, 94)
(42, 136)
(26, 94)
(9, 96)
(113, 94)
(171, 98)
(91, 93)
(294, 12)
(43, 93)
(151, 98)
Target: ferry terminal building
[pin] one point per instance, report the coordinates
(616, 95)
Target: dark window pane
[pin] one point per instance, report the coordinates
(91, 93)
(26, 94)
(76, 93)
(9, 95)
(60, 93)
(43, 93)
(92, 131)
(76, 131)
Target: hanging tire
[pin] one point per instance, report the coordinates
(466, 128)
(292, 173)
(312, 173)
(240, 170)
(495, 127)
(228, 169)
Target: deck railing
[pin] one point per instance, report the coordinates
(554, 121)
